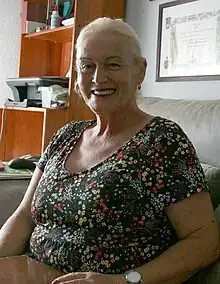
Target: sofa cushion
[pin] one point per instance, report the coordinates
(213, 178)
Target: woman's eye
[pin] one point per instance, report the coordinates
(114, 66)
(86, 67)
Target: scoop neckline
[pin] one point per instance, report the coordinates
(146, 126)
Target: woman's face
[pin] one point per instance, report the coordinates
(108, 74)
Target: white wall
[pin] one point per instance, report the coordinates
(142, 15)
(9, 44)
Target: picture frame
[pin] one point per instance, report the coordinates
(188, 43)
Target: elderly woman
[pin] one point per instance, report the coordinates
(122, 198)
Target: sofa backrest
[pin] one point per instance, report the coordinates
(199, 119)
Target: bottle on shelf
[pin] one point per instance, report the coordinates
(55, 18)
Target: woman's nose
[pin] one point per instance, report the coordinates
(99, 76)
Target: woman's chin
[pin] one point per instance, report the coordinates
(101, 108)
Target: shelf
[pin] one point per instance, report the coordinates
(61, 34)
(37, 1)
(35, 109)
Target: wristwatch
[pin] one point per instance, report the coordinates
(133, 277)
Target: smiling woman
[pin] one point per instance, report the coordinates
(110, 70)
(118, 199)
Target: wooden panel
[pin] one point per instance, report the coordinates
(54, 56)
(29, 131)
(32, 12)
(61, 34)
(36, 1)
(86, 11)
(37, 12)
(53, 120)
(39, 58)
(31, 109)
(2, 142)
(78, 110)
(65, 58)
(23, 133)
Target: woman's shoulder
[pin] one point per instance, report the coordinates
(165, 126)
(72, 127)
(162, 122)
(166, 131)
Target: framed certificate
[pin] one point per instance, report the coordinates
(188, 45)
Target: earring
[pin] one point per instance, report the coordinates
(139, 87)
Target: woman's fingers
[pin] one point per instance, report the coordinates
(69, 277)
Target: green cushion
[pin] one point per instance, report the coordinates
(213, 178)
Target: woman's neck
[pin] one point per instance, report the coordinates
(118, 121)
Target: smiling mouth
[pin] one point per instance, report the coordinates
(104, 92)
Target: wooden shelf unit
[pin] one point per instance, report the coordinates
(37, 1)
(50, 53)
(60, 35)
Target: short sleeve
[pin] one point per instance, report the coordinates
(181, 174)
(52, 147)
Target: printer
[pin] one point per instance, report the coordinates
(27, 89)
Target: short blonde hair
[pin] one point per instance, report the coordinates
(116, 26)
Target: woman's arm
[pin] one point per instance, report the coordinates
(17, 230)
(194, 221)
(195, 224)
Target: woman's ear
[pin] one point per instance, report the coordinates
(142, 69)
(76, 89)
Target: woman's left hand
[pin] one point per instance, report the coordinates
(90, 278)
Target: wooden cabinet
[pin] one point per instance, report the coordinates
(50, 53)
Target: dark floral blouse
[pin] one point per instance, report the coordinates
(111, 218)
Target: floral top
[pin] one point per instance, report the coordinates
(111, 218)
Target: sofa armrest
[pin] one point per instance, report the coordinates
(208, 275)
(11, 194)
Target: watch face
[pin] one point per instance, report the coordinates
(133, 277)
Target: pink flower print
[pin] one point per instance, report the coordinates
(58, 207)
(120, 155)
(96, 202)
(158, 185)
(92, 185)
(97, 255)
(99, 211)
(126, 267)
(154, 189)
(141, 222)
(106, 209)
(156, 164)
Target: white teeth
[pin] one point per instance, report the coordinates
(103, 93)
